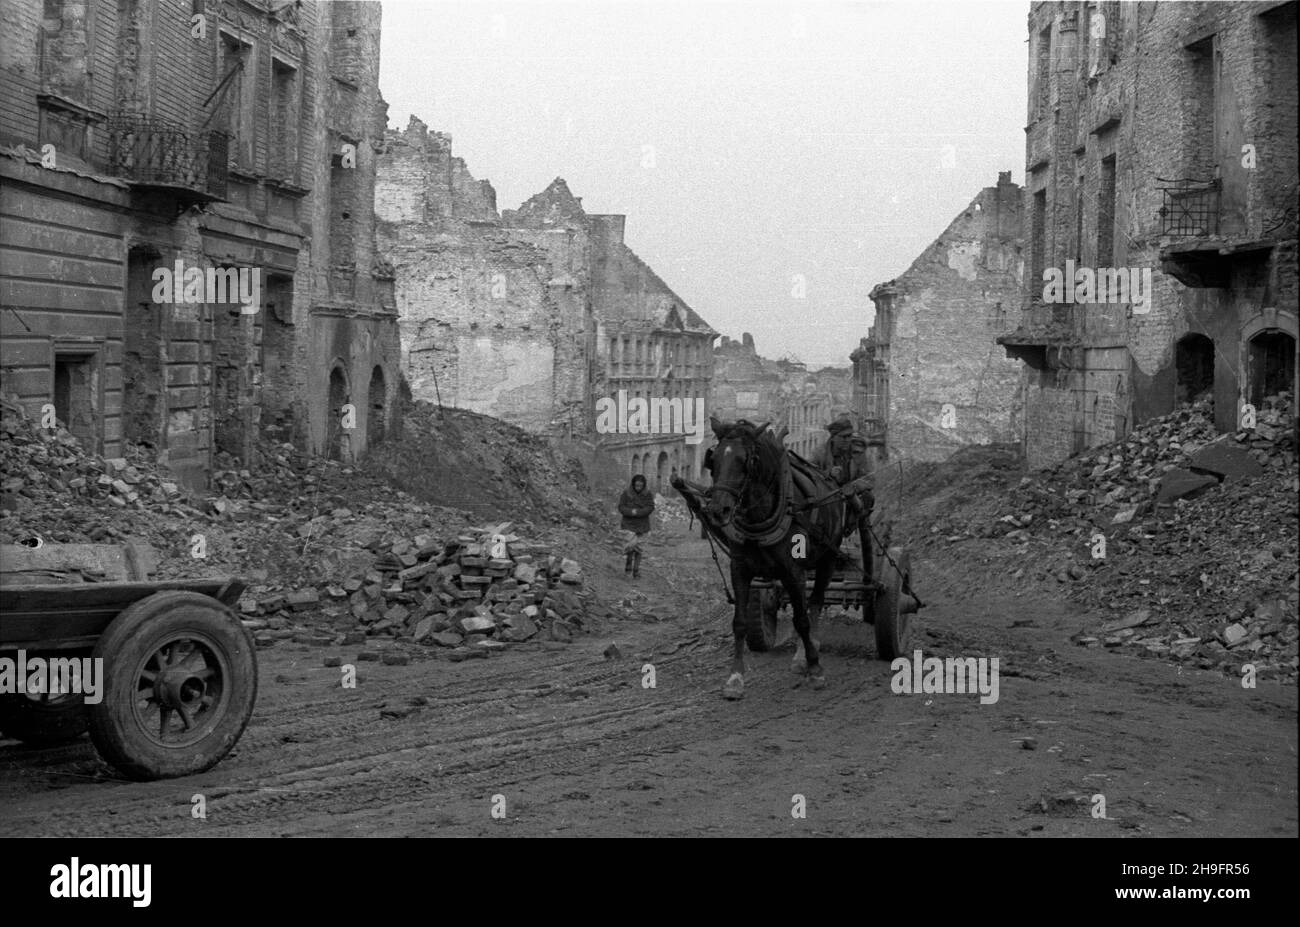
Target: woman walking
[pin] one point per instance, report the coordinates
(636, 504)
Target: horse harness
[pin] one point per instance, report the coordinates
(773, 528)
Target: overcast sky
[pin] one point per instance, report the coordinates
(748, 143)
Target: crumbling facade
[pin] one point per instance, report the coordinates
(186, 251)
(929, 377)
(539, 316)
(784, 392)
(494, 313)
(1161, 144)
(652, 346)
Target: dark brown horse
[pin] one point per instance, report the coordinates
(776, 529)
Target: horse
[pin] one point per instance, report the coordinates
(778, 523)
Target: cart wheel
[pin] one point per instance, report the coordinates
(760, 622)
(43, 719)
(180, 682)
(892, 621)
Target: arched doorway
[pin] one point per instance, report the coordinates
(1194, 365)
(377, 423)
(1271, 366)
(338, 398)
(636, 464)
(661, 471)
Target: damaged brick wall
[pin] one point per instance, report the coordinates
(745, 385)
(86, 233)
(1137, 97)
(947, 382)
(526, 314)
(491, 306)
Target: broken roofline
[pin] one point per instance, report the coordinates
(895, 286)
(556, 192)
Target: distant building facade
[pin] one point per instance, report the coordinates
(784, 392)
(153, 156)
(1161, 141)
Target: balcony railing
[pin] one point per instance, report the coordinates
(1189, 208)
(155, 152)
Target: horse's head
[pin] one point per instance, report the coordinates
(742, 458)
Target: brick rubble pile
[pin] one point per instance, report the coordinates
(1200, 538)
(332, 554)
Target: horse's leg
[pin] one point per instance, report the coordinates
(823, 570)
(806, 658)
(822, 579)
(740, 578)
(798, 606)
(864, 538)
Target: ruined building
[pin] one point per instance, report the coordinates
(783, 392)
(186, 256)
(533, 315)
(1161, 154)
(930, 377)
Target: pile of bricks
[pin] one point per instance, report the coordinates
(485, 589)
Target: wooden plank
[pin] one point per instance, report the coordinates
(63, 616)
(37, 629)
(54, 597)
(79, 562)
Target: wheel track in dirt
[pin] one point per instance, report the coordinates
(328, 744)
(576, 745)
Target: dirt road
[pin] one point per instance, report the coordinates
(561, 740)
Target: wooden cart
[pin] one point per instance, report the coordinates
(885, 598)
(178, 677)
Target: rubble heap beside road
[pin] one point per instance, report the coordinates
(333, 553)
(1183, 541)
